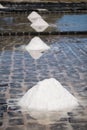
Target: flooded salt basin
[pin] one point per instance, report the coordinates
(66, 61)
(58, 22)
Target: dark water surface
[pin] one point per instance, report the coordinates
(57, 22)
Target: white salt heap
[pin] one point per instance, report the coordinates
(48, 95)
(33, 16)
(36, 47)
(36, 44)
(1, 6)
(39, 25)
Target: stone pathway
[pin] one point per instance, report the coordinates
(66, 61)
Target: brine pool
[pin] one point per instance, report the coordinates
(66, 61)
(58, 22)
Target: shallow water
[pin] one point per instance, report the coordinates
(66, 61)
(57, 22)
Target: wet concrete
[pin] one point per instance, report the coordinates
(66, 61)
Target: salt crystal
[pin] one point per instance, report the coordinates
(39, 25)
(34, 16)
(48, 95)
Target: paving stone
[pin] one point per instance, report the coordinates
(15, 91)
(2, 101)
(12, 102)
(77, 120)
(3, 89)
(64, 119)
(13, 108)
(59, 126)
(79, 126)
(14, 128)
(3, 85)
(3, 108)
(17, 96)
(13, 114)
(15, 85)
(70, 114)
(16, 70)
(18, 121)
(35, 126)
(17, 78)
(1, 115)
(83, 91)
(2, 95)
(1, 123)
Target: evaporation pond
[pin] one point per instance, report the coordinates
(57, 22)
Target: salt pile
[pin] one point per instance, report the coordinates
(36, 44)
(1, 6)
(48, 95)
(39, 25)
(34, 16)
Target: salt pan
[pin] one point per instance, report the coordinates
(39, 25)
(48, 95)
(34, 16)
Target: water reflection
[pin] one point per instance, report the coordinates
(72, 23)
(46, 117)
(35, 54)
(57, 22)
(7, 20)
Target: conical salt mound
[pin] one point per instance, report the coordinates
(33, 16)
(37, 44)
(48, 95)
(39, 25)
(1, 6)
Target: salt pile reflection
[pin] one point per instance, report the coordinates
(46, 117)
